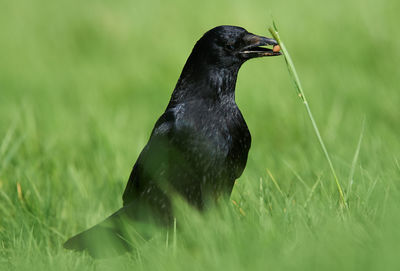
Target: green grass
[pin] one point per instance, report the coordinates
(82, 83)
(300, 93)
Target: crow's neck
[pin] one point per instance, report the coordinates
(205, 82)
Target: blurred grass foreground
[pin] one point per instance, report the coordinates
(82, 83)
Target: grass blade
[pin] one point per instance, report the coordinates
(355, 158)
(275, 183)
(299, 88)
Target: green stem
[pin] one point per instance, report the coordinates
(299, 88)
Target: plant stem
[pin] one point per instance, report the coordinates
(299, 88)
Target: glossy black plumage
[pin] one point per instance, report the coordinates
(199, 145)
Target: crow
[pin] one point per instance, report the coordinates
(197, 149)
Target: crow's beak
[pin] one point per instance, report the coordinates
(253, 47)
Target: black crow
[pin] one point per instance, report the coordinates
(197, 149)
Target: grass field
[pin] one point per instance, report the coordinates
(83, 82)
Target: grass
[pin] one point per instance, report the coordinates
(300, 91)
(82, 83)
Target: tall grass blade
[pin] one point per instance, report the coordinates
(174, 238)
(299, 88)
(275, 183)
(355, 158)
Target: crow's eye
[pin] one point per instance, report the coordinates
(230, 47)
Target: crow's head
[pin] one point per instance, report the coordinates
(227, 46)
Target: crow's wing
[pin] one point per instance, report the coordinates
(182, 152)
(152, 164)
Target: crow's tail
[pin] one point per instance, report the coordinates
(127, 228)
(106, 239)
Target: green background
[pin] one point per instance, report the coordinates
(83, 82)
